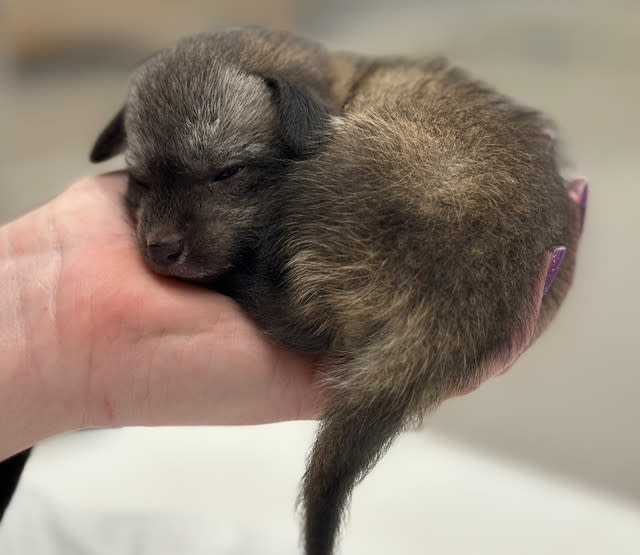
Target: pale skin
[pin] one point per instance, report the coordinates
(91, 338)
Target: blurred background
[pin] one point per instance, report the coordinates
(567, 414)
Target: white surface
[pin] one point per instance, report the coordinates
(231, 491)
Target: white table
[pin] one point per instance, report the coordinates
(231, 491)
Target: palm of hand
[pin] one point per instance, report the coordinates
(151, 350)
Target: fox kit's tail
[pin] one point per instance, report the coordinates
(381, 390)
(348, 444)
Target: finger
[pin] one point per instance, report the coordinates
(578, 189)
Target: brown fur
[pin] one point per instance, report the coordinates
(391, 214)
(417, 249)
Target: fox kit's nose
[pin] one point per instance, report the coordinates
(164, 251)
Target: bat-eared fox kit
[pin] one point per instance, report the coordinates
(394, 217)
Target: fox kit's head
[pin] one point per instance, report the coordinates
(205, 140)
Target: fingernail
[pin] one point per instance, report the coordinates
(579, 192)
(556, 260)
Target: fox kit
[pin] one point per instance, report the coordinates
(392, 215)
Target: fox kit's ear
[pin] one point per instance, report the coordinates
(303, 117)
(111, 141)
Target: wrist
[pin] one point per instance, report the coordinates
(34, 398)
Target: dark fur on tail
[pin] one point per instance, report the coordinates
(358, 426)
(335, 466)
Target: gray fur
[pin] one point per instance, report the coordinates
(392, 215)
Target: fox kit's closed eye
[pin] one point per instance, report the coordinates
(391, 214)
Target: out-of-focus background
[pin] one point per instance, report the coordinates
(550, 450)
